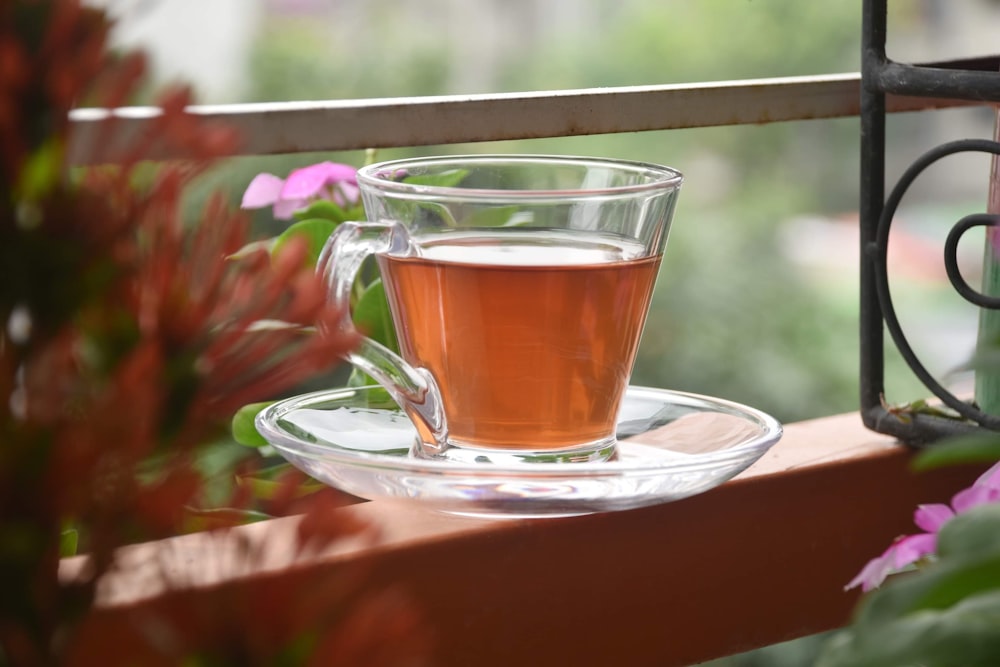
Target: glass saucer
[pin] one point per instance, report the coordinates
(671, 445)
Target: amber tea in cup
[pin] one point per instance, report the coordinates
(518, 286)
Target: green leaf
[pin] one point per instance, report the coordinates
(501, 216)
(378, 396)
(356, 212)
(358, 378)
(69, 541)
(976, 448)
(937, 586)
(41, 171)
(941, 615)
(266, 483)
(975, 532)
(445, 179)
(323, 209)
(315, 231)
(964, 635)
(372, 317)
(266, 245)
(243, 428)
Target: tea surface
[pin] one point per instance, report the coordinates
(531, 340)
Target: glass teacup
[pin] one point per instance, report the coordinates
(518, 286)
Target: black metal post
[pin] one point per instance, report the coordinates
(976, 79)
(873, 33)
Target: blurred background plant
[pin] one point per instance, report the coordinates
(130, 336)
(757, 296)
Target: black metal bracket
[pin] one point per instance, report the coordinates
(976, 80)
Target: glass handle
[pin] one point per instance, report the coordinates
(414, 389)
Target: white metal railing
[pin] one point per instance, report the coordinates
(294, 127)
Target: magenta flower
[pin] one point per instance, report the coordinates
(909, 549)
(326, 180)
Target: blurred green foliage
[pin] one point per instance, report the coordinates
(733, 316)
(675, 41)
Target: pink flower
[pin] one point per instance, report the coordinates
(909, 549)
(985, 490)
(325, 180)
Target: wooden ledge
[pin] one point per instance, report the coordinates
(761, 559)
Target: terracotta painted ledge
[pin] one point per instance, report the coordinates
(761, 559)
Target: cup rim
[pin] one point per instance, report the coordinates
(662, 178)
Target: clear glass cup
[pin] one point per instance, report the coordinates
(519, 286)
